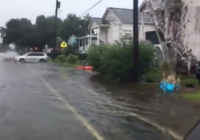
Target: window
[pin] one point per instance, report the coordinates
(35, 54)
(81, 42)
(153, 38)
(94, 38)
(40, 54)
(31, 54)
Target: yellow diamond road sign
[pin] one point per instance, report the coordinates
(63, 44)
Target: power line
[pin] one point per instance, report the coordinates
(60, 11)
(61, 15)
(91, 8)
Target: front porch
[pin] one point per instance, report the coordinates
(86, 41)
(98, 35)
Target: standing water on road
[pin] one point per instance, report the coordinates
(121, 107)
(50, 101)
(149, 102)
(43, 102)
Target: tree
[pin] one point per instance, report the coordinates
(23, 34)
(85, 22)
(74, 25)
(18, 31)
(45, 30)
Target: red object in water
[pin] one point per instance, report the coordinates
(85, 68)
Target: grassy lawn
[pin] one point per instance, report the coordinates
(189, 80)
(64, 63)
(194, 97)
(70, 65)
(150, 84)
(156, 76)
(67, 64)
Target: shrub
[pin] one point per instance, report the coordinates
(115, 61)
(147, 57)
(95, 55)
(70, 50)
(71, 59)
(82, 56)
(61, 58)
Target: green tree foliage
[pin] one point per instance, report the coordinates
(18, 32)
(71, 59)
(69, 50)
(115, 62)
(22, 33)
(74, 25)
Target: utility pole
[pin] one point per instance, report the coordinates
(135, 43)
(55, 24)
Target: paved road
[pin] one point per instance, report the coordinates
(45, 102)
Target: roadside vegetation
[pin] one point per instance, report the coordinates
(114, 62)
(70, 57)
(70, 60)
(194, 97)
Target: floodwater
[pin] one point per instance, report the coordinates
(49, 102)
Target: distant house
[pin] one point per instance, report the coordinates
(113, 26)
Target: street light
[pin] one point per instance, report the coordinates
(135, 43)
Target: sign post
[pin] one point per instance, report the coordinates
(63, 45)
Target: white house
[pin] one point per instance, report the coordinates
(115, 23)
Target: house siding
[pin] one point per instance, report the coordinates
(113, 33)
(147, 28)
(93, 25)
(103, 32)
(128, 28)
(116, 29)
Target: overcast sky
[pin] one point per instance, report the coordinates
(32, 8)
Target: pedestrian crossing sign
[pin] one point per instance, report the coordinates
(63, 44)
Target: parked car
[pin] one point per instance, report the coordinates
(32, 57)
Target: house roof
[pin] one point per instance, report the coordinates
(126, 15)
(97, 20)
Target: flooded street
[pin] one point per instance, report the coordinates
(48, 102)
